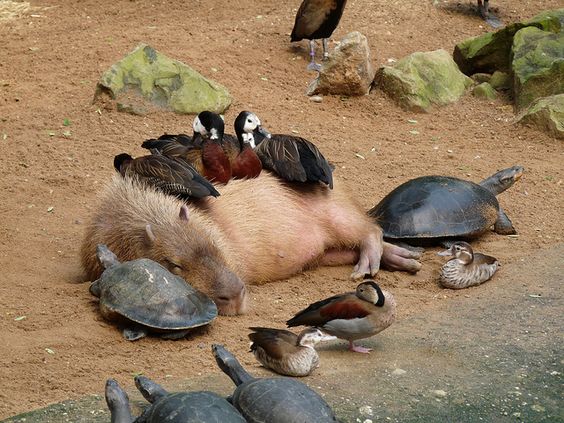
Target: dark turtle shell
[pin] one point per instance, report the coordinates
(191, 407)
(145, 292)
(436, 207)
(281, 400)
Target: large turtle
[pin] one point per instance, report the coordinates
(432, 207)
(178, 407)
(272, 400)
(145, 297)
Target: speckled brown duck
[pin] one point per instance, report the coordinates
(466, 268)
(168, 174)
(285, 352)
(351, 316)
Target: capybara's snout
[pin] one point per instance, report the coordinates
(230, 294)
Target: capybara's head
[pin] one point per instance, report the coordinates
(194, 254)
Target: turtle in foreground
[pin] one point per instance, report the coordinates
(178, 407)
(273, 400)
(145, 297)
(432, 208)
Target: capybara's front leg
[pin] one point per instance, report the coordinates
(399, 258)
(370, 254)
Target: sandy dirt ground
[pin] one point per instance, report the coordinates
(54, 345)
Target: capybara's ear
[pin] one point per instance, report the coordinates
(150, 239)
(184, 212)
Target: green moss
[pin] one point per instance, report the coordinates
(500, 80)
(485, 91)
(421, 79)
(538, 65)
(491, 51)
(547, 114)
(165, 82)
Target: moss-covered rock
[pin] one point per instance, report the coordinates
(491, 51)
(538, 65)
(500, 80)
(147, 76)
(484, 90)
(421, 79)
(481, 77)
(547, 114)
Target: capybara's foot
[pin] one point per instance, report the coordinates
(369, 260)
(399, 258)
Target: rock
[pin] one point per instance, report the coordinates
(491, 51)
(538, 65)
(347, 71)
(439, 393)
(484, 90)
(398, 372)
(421, 79)
(481, 77)
(546, 114)
(366, 410)
(500, 81)
(146, 79)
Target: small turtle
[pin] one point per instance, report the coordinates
(272, 400)
(434, 207)
(145, 297)
(178, 407)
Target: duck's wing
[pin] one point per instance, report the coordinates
(316, 166)
(172, 145)
(277, 343)
(483, 259)
(173, 176)
(344, 306)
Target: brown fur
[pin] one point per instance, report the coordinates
(262, 228)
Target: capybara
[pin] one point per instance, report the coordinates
(258, 230)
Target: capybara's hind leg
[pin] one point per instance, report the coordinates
(399, 258)
(370, 254)
(337, 257)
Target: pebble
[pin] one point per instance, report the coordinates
(398, 372)
(439, 393)
(366, 410)
(316, 99)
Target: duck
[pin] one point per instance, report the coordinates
(173, 176)
(239, 148)
(204, 150)
(285, 352)
(466, 268)
(352, 315)
(292, 158)
(317, 19)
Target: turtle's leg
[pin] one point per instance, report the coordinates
(133, 333)
(503, 225)
(399, 258)
(177, 334)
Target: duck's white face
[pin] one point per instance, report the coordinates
(199, 127)
(252, 122)
(313, 336)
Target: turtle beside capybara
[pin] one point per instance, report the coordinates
(258, 230)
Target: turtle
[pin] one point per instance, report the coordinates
(273, 400)
(144, 297)
(177, 407)
(439, 208)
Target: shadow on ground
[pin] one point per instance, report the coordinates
(491, 355)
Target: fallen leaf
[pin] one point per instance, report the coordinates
(17, 319)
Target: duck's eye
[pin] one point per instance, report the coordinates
(249, 121)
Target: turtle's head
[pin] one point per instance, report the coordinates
(118, 402)
(105, 256)
(503, 179)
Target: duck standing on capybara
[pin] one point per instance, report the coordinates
(258, 230)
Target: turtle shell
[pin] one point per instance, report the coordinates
(436, 207)
(145, 292)
(191, 407)
(281, 400)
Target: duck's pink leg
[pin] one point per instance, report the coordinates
(358, 348)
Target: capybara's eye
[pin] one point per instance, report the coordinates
(173, 267)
